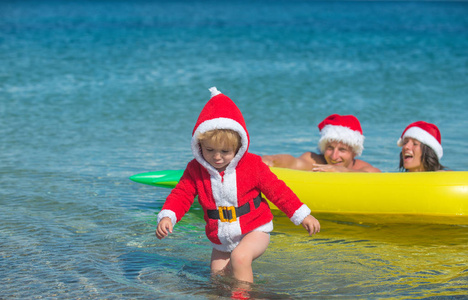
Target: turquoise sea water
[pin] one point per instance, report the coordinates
(92, 92)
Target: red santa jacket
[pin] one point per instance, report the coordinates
(243, 180)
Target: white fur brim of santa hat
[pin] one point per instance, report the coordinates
(426, 133)
(342, 134)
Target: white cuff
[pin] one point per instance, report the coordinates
(167, 213)
(300, 214)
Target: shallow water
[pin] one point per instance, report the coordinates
(94, 92)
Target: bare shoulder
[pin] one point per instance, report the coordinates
(307, 160)
(362, 166)
(316, 158)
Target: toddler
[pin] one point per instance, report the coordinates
(229, 181)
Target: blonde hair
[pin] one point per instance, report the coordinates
(223, 137)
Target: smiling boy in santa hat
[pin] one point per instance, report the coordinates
(341, 141)
(229, 181)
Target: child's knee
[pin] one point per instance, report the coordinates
(241, 258)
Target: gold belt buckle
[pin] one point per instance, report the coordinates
(232, 209)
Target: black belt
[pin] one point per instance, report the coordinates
(231, 213)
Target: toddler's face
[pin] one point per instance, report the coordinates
(217, 155)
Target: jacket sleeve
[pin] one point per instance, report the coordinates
(181, 197)
(281, 195)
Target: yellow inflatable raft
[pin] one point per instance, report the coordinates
(429, 197)
(435, 197)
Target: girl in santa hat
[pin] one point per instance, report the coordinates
(229, 181)
(421, 148)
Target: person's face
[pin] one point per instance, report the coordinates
(217, 156)
(411, 151)
(338, 154)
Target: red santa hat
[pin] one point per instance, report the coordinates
(220, 112)
(426, 133)
(344, 129)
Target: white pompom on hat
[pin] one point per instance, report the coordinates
(426, 133)
(345, 129)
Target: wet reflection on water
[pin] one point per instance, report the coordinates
(370, 259)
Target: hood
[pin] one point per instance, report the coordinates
(220, 112)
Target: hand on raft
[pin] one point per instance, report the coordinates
(328, 168)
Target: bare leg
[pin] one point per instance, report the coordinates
(252, 246)
(220, 262)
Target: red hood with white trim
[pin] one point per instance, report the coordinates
(220, 112)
